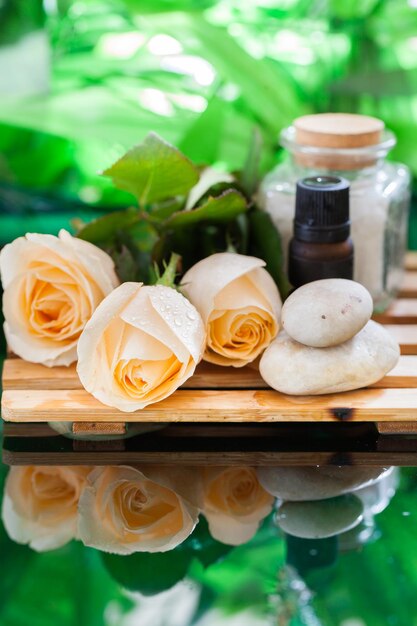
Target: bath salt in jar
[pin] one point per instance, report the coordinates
(353, 147)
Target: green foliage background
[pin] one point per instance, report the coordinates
(202, 74)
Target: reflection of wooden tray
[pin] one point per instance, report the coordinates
(33, 393)
(290, 444)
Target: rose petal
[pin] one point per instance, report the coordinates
(52, 286)
(230, 531)
(266, 285)
(43, 520)
(208, 277)
(239, 303)
(104, 518)
(140, 313)
(40, 351)
(39, 538)
(89, 368)
(242, 293)
(99, 264)
(133, 351)
(232, 509)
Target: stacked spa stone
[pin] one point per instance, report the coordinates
(328, 343)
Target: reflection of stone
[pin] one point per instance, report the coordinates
(320, 519)
(358, 536)
(377, 496)
(316, 483)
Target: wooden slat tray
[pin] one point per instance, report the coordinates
(33, 393)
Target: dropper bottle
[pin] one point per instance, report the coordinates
(321, 246)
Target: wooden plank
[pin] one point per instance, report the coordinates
(101, 428)
(216, 406)
(403, 375)
(411, 260)
(408, 287)
(397, 428)
(405, 335)
(205, 458)
(18, 374)
(401, 311)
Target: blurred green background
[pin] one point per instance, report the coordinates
(82, 81)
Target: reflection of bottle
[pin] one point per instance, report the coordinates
(308, 554)
(321, 246)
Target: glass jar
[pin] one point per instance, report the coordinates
(379, 204)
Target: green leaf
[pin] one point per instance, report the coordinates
(265, 243)
(163, 210)
(103, 229)
(202, 141)
(125, 264)
(153, 171)
(148, 573)
(206, 549)
(152, 573)
(223, 208)
(131, 252)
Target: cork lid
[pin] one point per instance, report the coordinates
(338, 130)
(337, 141)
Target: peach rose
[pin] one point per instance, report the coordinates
(40, 505)
(239, 303)
(51, 287)
(140, 345)
(234, 503)
(124, 510)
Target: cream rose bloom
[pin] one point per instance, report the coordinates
(234, 503)
(125, 510)
(40, 505)
(239, 303)
(140, 345)
(51, 287)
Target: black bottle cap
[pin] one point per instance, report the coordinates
(322, 209)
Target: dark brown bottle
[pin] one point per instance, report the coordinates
(321, 246)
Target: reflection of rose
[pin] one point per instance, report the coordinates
(51, 287)
(234, 503)
(123, 510)
(140, 345)
(239, 303)
(40, 505)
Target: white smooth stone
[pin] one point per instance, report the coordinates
(326, 312)
(294, 369)
(320, 519)
(316, 483)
